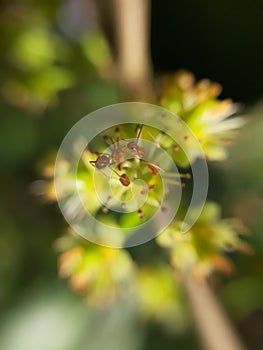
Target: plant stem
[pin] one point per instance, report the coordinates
(132, 34)
(214, 329)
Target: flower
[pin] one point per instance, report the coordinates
(202, 249)
(161, 297)
(209, 118)
(214, 129)
(99, 273)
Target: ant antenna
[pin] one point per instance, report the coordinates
(139, 133)
(177, 175)
(148, 132)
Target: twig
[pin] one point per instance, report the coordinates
(132, 35)
(214, 329)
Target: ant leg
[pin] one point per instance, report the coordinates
(155, 168)
(176, 175)
(174, 182)
(115, 171)
(110, 141)
(139, 132)
(151, 135)
(171, 182)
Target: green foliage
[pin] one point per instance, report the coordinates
(205, 114)
(203, 249)
(49, 80)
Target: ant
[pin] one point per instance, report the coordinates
(117, 157)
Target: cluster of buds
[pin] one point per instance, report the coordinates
(198, 105)
(103, 274)
(203, 248)
(118, 157)
(125, 160)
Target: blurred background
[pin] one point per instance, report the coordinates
(55, 68)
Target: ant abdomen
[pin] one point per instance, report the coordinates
(124, 179)
(102, 161)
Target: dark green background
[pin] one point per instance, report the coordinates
(220, 40)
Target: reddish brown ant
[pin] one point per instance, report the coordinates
(122, 150)
(117, 156)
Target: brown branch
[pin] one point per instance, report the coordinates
(132, 35)
(214, 329)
